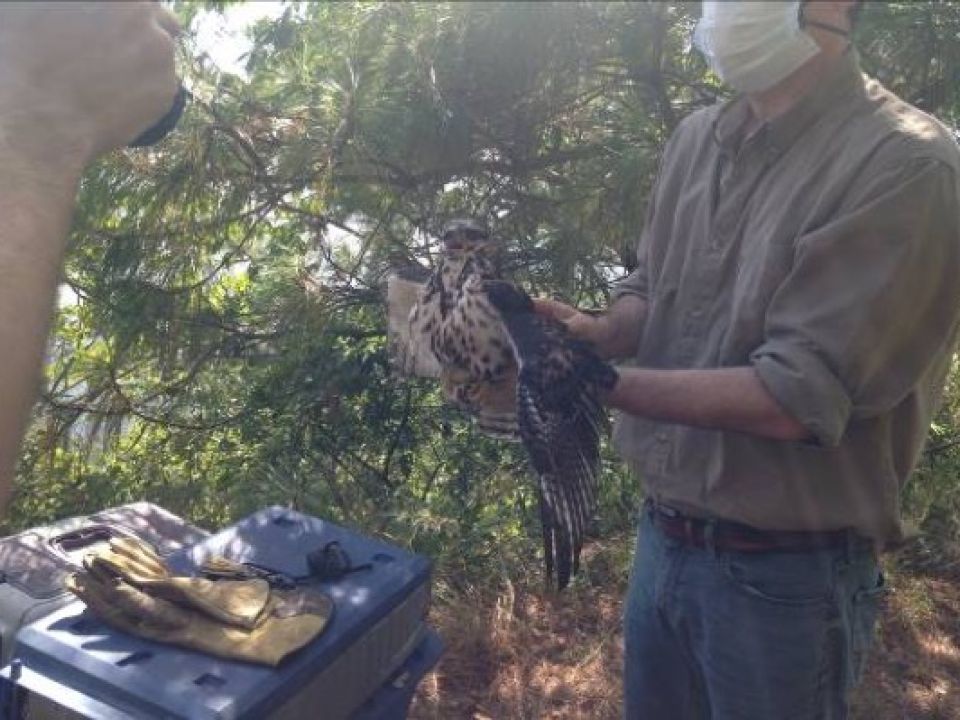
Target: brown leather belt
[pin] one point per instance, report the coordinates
(727, 536)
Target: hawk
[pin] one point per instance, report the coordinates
(522, 376)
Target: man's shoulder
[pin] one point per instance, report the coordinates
(907, 132)
(691, 133)
(700, 121)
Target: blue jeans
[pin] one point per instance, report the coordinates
(745, 636)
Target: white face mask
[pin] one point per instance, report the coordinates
(753, 45)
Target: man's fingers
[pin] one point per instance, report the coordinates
(553, 309)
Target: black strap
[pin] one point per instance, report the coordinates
(327, 563)
(251, 571)
(331, 562)
(165, 125)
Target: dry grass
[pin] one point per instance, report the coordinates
(914, 670)
(524, 655)
(527, 656)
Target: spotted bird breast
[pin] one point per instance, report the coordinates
(472, 339)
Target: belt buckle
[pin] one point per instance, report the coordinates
(658, 509)
(670, 512)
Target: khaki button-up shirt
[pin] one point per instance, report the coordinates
(823, 250)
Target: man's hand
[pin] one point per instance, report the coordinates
(614, 334)
(583, 326)
(78, 79)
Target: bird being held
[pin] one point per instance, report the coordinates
(521, 375)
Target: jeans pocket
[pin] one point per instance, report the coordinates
(864, 610)
(782, 578)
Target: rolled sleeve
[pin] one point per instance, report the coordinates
(805, 387)
(635, 283)
(870, 303)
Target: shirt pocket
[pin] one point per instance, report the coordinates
(764, 263)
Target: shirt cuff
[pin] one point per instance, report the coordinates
(806, 389)
(632, 284)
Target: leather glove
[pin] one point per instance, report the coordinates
(130, 588)
(238, 602)
(288, 624)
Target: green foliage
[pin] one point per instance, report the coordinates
(226, 347)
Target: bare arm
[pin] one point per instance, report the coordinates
(64, 101)
(35, 214)
(720, 399)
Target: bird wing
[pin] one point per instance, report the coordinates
(410, 353)
(560, 418)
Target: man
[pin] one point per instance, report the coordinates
(792, 319)
(76, 81)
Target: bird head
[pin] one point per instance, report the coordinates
(465, 235)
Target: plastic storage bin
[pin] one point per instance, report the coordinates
(34, 563)
(365, 664)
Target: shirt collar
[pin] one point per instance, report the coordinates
(845, 80)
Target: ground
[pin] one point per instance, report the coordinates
(520, 654)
